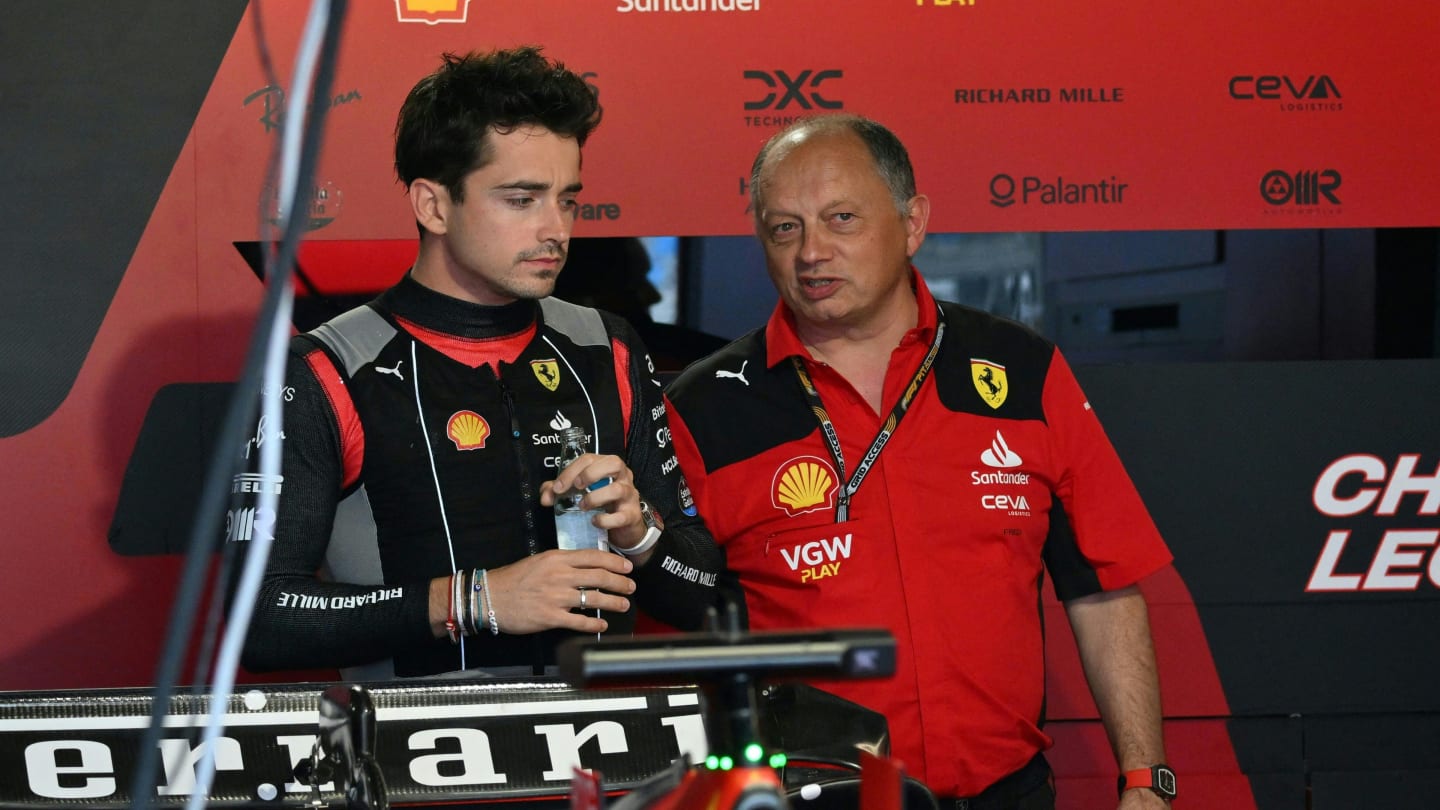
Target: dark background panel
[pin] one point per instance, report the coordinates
(1227, 455)
(1377, 742)
(1271, 753)
(1269, 745)
(96, 100)
(1387, 790)
(156, 510)
(1324, 658)
(1279, 791)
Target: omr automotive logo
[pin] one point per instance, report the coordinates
(802, 93)
(432, 12)
(1308, 191)
(1313, 93)
(1006, 190)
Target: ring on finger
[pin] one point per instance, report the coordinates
(582, 598)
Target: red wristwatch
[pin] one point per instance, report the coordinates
(1158, 778)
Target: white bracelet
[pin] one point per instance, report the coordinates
(652, 536)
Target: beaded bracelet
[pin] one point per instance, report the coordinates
(489, 603)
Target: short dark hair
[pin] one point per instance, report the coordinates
(892, 162)
(441, 131)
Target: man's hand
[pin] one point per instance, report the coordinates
(618, 498)
(541, 592)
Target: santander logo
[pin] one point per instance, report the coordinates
(1000, 455)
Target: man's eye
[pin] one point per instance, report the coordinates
(519, 202)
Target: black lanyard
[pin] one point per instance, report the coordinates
(832, 440)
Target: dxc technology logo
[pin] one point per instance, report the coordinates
(777, 90)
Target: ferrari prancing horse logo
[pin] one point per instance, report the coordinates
(989, 381)
(547, 372)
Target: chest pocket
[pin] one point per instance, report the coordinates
(827, 571)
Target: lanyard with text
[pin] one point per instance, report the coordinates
(832, 440)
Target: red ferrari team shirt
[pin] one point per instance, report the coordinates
(998, 470)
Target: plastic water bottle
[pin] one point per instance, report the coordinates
(574, 526)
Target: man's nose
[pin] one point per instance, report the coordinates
(814, 245)
(556, 223)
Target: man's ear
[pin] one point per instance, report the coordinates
(430, 202)
(917, 219)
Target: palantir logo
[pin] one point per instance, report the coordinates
(803, 89)
(1059, 191)
(1280, 187)
(1002, 191)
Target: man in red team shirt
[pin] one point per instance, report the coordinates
(871, 455)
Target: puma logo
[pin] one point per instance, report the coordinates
(735, 375)
(395, 370)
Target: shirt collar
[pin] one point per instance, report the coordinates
(783, 341)
(429, 309)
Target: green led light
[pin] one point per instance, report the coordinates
(754, 753)
(777, 760)
(712, 762)
(726, 763)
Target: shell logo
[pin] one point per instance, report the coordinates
(431, 12)
(803, 484)
(468, 430)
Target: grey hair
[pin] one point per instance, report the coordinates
(892, 162)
